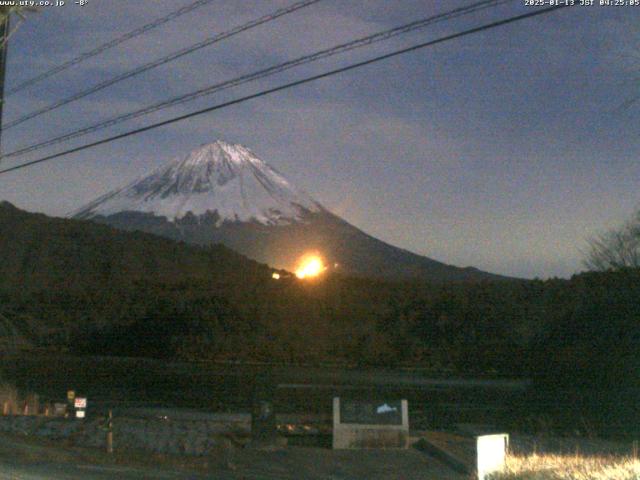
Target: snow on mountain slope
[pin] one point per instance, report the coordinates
(219, 177)
(223, 193)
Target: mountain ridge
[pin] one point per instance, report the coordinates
(223, 193)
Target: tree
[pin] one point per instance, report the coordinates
(616, 249)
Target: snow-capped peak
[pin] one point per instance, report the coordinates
(217, 177)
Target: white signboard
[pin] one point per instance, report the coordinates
(80, 402)
(80, 414)
(492, 452)
(370, 423)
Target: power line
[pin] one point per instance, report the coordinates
(106, 46)
(361, 42)
(289, 85)
(163, 60)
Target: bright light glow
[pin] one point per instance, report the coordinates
(275, 276)
(310, 266)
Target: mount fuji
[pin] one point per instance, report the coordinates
(223, 193)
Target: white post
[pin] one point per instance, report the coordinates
(492, 453)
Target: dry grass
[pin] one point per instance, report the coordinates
(570, 467)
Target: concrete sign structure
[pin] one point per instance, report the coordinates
(59, 409)
(370, 424)
(492, 453)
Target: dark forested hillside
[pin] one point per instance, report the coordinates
(89, 289)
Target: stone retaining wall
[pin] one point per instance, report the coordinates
(181, 437)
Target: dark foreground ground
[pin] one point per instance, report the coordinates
(30, 459)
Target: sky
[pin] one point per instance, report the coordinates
(504, 150)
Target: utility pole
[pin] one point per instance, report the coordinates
(4, 34)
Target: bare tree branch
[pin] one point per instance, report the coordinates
(616, 249)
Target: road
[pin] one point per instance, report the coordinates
(29, 459)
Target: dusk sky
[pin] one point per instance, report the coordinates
(504, 150)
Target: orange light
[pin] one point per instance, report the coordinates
(310, 266)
